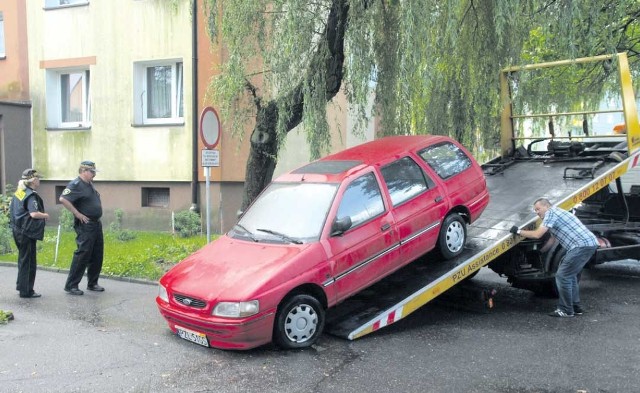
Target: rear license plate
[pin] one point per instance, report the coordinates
(190, 335)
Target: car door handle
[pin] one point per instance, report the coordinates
(385, 227)
(438, 199)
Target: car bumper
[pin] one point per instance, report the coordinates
(230, 334)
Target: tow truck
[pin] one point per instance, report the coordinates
(574, 172)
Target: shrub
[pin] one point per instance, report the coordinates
(6, 235)
(187, 223)
(66, 220)
(116, 227)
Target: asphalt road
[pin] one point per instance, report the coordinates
(116, 341)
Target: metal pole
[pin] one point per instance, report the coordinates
(55, 258)
(207, 172)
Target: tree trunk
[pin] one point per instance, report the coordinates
(264, 145)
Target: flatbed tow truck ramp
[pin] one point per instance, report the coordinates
(515, 180)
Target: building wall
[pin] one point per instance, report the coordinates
(15, 142)
(108, 37)
(14, 75)
(15, 108)
(125, 196)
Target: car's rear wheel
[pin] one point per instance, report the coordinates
(299, 322)
(453, 235)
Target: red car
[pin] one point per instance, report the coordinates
(318, 235)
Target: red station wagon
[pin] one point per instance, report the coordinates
(319, 234)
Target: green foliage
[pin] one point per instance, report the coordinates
(116, 227)
(116, 224)
(147, 256)
(66, 220)
(432, 66)
(6, 235)
(187, 223)
(5, 316)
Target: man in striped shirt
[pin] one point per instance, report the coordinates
(580, 244)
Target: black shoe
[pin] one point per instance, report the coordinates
(73, 291)
(577, 310)
(33, 294)
(96, 288)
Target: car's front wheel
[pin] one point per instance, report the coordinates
(453, 236)
(299, 322)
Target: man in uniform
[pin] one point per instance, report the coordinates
(580, 244)
(27, 218)
(83, 201)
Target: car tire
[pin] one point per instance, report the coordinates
(299, 322)
(453, 236)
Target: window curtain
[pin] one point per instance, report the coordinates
(159, 92)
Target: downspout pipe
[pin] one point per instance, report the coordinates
(194, 105)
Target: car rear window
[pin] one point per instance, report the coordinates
(446, 159)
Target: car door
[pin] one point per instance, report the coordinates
(418, 205)
(368, 250)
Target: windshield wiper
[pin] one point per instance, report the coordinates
(247, 232)
(280, 235)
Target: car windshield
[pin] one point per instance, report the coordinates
(288, 212)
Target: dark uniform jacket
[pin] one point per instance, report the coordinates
(22, 204)
(84, 197)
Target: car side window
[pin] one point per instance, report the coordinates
(404, 179)
(446, 159)
(362, 200)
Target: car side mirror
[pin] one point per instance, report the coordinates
(239, 213)
(340, 226)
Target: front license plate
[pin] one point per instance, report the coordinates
(190, 335)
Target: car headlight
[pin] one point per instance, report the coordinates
(162, 293)
(236, 309)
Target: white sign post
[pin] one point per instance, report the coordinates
(210, 136)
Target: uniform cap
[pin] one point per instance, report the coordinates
(30, 174)
(90, 165)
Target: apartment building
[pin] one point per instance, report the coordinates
(123, 83)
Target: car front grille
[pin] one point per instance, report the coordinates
(189, 301)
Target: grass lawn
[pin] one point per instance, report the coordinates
(147, 256)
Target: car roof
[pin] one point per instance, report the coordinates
(337, 166)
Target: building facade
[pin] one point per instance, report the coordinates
(15, 105)
(123, 83)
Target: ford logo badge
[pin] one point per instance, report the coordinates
(186, 301)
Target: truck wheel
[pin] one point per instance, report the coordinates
(453, 236)
(299, 322)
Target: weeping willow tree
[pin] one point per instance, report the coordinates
(432, 65)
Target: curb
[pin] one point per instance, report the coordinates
(66, 271)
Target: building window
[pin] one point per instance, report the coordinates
(68, 98)
(62, 3)
(59, 190)
(155, 197)
(2, 49)
(158, 92)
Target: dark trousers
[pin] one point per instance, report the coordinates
(27, 264)
(88, 256)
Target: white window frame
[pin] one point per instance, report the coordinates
(3, 53)
(48, 4)
(140, 92)
(54, 97)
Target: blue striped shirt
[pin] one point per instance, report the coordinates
(568, 229)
